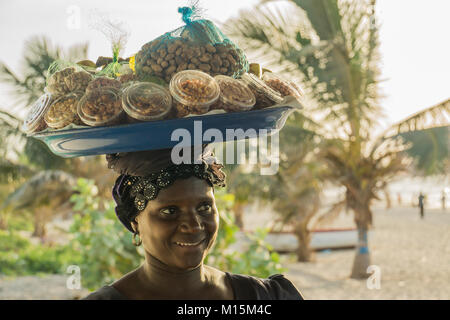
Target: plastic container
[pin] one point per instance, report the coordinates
(146, 101)
(78, 81)
(34, 122)
(265, 96)
(193, 91)
(281, 85)
(62, 111)
(234, 95)
(66, 78)
(100, 83)
(101, 107)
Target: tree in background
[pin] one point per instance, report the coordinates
(23, 156)
(332, 46)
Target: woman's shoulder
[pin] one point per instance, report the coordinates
(275, 287)
(107, 292)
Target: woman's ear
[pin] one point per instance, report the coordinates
(134, 225)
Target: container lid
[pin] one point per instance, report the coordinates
(282, 85)
(102, 82)
(62, 111)
(100, 106)
(194, 88)
(235, 93)
(146, 101)
(261, 87)
(37, 112)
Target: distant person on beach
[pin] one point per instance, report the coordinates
(421, 204)
(443, 199)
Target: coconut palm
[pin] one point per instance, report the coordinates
(331, 46)
(39, 54)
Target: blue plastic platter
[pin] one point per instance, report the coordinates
(158, 134)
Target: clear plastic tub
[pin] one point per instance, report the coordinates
(62, 111)
(78, 81)
(265, 96)
(281, 85)
(146, 101)
(34, 121)
(194, 90)
(101, 107)
(103, 83)
(234, 95)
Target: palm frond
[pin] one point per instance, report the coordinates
(432, 117)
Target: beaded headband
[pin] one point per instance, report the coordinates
(144, 189)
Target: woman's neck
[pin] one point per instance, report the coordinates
(166, 281)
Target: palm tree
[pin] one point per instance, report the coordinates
(331, 45)
(39, 54)
(34, 156)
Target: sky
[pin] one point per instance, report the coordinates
(415, 48)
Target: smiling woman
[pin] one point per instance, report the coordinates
(172, 213)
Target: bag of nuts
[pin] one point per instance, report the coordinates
(116, 32)
(65, 77)
(199, 45)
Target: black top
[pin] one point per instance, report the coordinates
(275, 287)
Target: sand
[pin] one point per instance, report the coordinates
(413, 256)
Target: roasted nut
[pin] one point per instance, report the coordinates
(127, 78)
(103, 82)
(280, 86)
(101, 107)
(62, 112)
(234, 95)
(181, 54)
(78, 81)
(57, 84)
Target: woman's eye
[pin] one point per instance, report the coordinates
(168, 211)
(205, 208)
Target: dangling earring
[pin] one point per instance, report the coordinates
(137, 244)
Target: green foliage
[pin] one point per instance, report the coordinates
(257, 259)
(105, 248)
(429, 148)
(18, 256)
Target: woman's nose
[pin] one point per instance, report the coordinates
(192, 222)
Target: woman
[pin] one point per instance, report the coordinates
(170, 210)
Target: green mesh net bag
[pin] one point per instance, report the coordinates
(198, 45)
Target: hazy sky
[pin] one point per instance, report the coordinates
(414, 38)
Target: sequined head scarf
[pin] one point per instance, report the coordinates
(144, 173)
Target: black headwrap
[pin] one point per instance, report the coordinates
(144, 173)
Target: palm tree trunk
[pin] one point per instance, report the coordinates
(362, 257)
(40, 220)
(304, 253)
(238, 209)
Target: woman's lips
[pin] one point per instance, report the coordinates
(189, 245)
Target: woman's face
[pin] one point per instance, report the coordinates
(180, 225)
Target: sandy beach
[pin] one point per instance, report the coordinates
(413, 256)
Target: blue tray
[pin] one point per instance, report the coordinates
(157, 134)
